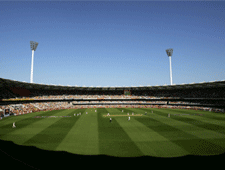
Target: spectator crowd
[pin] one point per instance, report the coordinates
(12, 94)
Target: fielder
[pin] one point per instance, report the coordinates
(14, 125)
(110, 120)
(129, 118)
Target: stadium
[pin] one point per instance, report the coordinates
(75, 120)
(53, 125)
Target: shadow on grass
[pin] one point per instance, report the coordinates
(16, 156)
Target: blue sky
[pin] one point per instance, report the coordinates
(112, 43)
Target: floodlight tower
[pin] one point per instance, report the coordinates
(169, 53)
(33, 46)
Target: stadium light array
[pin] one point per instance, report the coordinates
(170, 53)
(33, 46)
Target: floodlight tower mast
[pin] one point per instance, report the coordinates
(33, 46)
(169, 53)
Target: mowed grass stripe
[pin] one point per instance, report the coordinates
(9, 120)
(206, 114)
(28, 128)
(113, 140)
(188, 142)
(183, 123)
(185, 139)
(147, 139)
(205, 117)
(54, 132)
(191, 117)
(209, 135)
(22, 122)
(83, 136)
(195, 121)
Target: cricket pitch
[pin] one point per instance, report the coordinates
(123, 115)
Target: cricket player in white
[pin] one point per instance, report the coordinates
(128, 118)
(14, 125)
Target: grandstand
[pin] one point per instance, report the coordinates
(22, 97)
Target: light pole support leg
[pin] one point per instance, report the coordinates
(171, 82)
(32, 63)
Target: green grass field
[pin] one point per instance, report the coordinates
(154, 134)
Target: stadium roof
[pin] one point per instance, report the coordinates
(14, 83)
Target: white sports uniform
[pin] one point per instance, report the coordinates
(14, 124)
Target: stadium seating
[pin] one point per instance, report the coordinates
(19, 92)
